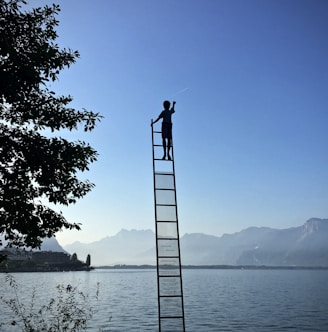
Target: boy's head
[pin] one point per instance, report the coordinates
(166, 105)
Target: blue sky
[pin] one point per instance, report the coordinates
(250, 131)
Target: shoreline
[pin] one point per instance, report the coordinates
(212, 267)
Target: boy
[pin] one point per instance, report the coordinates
(166, 127)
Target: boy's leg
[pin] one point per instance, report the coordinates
(164, 148)
(169, 141)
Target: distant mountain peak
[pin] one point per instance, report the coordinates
(316, 220)
(314, 225)
(133, 233)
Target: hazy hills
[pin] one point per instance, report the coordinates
(306, 245)
(126, 247)
(48, 244)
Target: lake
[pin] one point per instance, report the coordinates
(215, 300)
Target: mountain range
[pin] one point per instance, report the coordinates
(306, 245)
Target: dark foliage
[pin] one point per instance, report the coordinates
(88, 260)
(33, 166)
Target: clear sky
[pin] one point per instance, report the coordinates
(250, 79)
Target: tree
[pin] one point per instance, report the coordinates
(34, 167)
(74, 257)
(88, 260)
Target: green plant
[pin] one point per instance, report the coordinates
(69, 311)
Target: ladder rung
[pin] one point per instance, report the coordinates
(163, 173)
(167, 221)
(167, 238)
(158, 145)
(168, 256)
(157, 132)
(170, 275)
(164, 189)
(171, 317)
(160, 204)
(163, 159)
(170, 295)
(159, 188)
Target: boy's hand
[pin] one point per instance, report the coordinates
(174, 103)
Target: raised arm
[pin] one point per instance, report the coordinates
(172, 108)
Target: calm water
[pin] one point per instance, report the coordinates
(215, 300)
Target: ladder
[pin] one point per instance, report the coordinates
(169, 277)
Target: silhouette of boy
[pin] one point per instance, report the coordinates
(166, 127)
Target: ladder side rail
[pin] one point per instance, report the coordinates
(157, 262)
(177, 219)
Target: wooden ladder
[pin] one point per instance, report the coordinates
(169, 277)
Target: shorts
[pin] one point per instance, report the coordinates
(166, 130)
